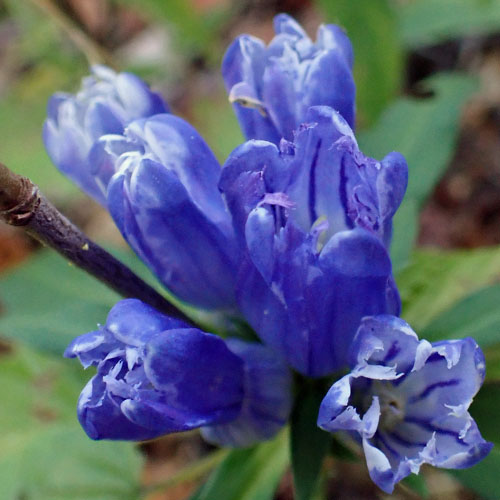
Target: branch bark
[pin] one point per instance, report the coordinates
(22, 204)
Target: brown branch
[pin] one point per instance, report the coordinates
(22, 204)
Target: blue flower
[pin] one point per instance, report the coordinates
(272, 87)
(165, 200)
(267, 402)
(406, 401)
(106, 104)
(156, 375)
(314, 217)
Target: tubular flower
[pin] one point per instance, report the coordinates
(272, 87)
(106, 104)
(156, 375)
(406, 401)
(314, 217)
(165, 200)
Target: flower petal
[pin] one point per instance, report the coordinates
(244, 63)
(283, 23)
(101, 417)
(333, 37)
(267, 399)
(134, 323)
(90, 348)
(181, 150)
(330, 69)
(194, 256)
(106, 104)
(251, 170)
(311, 309)
(421, 415)
(272, 87)
(213, 388)
(385, 340)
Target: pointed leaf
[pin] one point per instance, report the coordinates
(435, 280)
(483, 477)
(44, 454)
(428, 22)
(424, 131)
(477, 315)
(309, 444)
(248, 474)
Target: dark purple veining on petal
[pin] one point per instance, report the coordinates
(428, 426)
(343, 193)
(393, 351)
(435, 357)
(422, 427)
(380, 439)
(432, 387)
(405, 442)
(312, 183)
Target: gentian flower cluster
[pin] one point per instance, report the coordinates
(273, 87)
(291, 234)
(406, 401)
(165, 200)
(314, 216)
(106, 104)
(157, 375)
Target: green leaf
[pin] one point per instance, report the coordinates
(309, 444)
(52, 67)
(373, 30)
(435, 280)
(44, 454)
(477, 315)
(405, 231)
(47, 302)
(417, 484)
(427, 22)
(483, 477)
(37, 389)
(339, 450)
(424, 131)
(21, 123)
(61, 463)
(492, 355)
(484, 408)
(448, 295)
(249, 474)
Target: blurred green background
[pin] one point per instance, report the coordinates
(428, 80)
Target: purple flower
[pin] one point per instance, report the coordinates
(314, 218)
(156, 375)
(272, 87)
(406, 401)
(267, 402)
(165, 200)
(106, 104)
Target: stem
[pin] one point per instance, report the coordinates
(190, 473)
(22, 204)
(94, 53)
